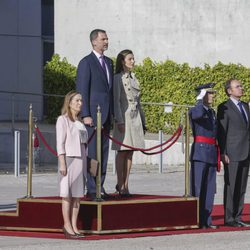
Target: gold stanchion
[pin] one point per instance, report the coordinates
(30, 154)
(98, 153)
(187, 143)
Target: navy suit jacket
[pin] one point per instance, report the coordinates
(93, 84)
(203, 124)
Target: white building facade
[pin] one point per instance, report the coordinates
(192, 31)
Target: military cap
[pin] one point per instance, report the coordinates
(208, 87)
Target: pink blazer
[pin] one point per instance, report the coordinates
(67, 137)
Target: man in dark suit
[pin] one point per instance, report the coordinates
(204, 153)
(234, 141)
(94, 82)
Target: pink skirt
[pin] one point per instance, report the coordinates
(73, 184)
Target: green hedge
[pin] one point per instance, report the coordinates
(171, 82)
(59, 78)
(160, 83)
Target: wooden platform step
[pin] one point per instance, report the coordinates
(116, 215)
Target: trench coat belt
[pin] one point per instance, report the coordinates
(210, 140)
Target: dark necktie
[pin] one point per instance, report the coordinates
(242, 111)
(210, 113)
(103, 63)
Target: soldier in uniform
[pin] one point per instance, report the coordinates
(204, 153)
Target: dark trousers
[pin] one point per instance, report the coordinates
(235, 184)
(203, 185)
(91, 181)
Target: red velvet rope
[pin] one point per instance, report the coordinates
(92, 135)
(44, 142)
(167, 147)
(177, 133)
(48, 146)
(167, 141)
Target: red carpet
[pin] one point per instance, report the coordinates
(217, 219)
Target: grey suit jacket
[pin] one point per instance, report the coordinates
(233, 132)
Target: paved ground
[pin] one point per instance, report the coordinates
(144, 179)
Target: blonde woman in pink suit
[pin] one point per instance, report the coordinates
(71, 137)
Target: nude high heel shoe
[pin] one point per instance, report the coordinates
(68, 235)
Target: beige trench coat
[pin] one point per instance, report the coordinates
(127, 110)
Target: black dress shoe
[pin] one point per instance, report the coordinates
(243, 224)
(106, 196)
(211, 226)
(232, 224)
(91, 196)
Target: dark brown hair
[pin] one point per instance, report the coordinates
(120, 59)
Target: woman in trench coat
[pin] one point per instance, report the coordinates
(129, 120)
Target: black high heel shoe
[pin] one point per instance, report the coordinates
(124, 194)
(117, 188)
(68, 235)
(128, 195)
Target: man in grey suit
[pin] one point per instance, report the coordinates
(94, 82)
(234, 141)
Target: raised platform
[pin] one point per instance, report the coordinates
(117, 215)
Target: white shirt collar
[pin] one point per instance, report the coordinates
(234, 101)
(205, 107)
(98, 55)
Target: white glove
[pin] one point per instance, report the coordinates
(201, 95)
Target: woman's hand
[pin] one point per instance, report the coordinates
(63, 170)
(121, 127)
(62, 164)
